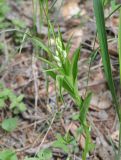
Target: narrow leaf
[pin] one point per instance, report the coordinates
(47, 62)
(40, 44)
(75, 64)
(100, 22)
(84, 108)
(119, 44)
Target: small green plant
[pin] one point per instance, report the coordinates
(19, 25)
(5, 9)
(66, 143)
(16, 104)
(8, 155)
(44, 154)
(14, 23)
(64, 72)
(9, 124)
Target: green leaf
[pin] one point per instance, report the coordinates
(119, 44)
(8, 155)
(2, 103)
(100, 22)
(10, 124)
(12, 97)
(19, 23)
(67, 86)
(75, 64)
(75, 117)
(58, 144)
(52, 74)
(61, 39)
(1, 85)
(59, 80)
(105, 2)
(60, 138)
(61, 143)
(68, 45)
(84, 108)
(20, 98)
(88, 144)
(45, 154)
(13, 104)
(5, 93)
(47, 62)
(67, 65)
(40, 44)
(21, 107)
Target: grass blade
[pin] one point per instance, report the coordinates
(75, 65)
(40, 44)
(100, 22)
(84, 108)
(119, 44)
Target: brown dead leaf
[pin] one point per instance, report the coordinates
(43, 91)
(112, 48)
(70, 9)
(103, 100)
(82, 142)
(104, 153)
(95, 77)
(73, 129)
(115, 137)
(115, 21)
(20, 80)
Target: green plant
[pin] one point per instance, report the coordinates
(8, 155)
(44, 154)
(64, 71)
(5, 9)
(3, 12)
(9, 124)
(67, 143)
(18, 25)
(100, 22)
(8, 98)
(119, 44)
(16, 104)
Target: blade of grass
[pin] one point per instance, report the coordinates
(100, 22)
(119, 44)
(118, 7)
(40, 44)
(119, 49)
(84, 108)
(47, 62)
(75, 65)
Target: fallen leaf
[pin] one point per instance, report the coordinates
(115, 137)
(70, 9)
(103, 100)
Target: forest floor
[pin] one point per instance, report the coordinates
(22, 72)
